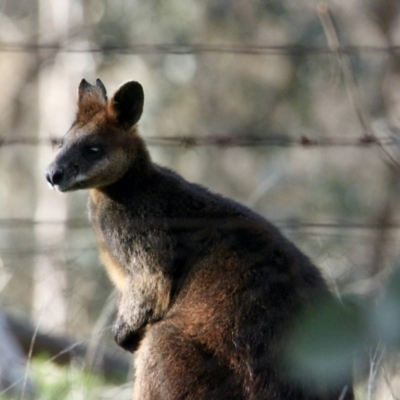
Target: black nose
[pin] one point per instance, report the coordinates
(55, 176)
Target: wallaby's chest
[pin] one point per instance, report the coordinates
(128, 234)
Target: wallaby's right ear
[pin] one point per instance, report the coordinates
(127, 104)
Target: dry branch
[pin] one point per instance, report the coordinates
(64, 350)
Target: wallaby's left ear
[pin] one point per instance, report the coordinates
(127, 104)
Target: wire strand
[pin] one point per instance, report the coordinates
(193, 141)
(187, 48)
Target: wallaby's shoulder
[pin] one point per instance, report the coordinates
(181, 196)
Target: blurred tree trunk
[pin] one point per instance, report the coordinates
(49, 303)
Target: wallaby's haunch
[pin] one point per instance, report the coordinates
(208, 289)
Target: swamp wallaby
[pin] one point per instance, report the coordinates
(208, 289)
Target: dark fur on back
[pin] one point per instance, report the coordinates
(208, 288)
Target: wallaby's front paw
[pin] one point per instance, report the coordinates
(124, 336)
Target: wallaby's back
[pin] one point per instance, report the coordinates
(208, 289)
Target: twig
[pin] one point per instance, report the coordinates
(326, 18)
(344, 393)
(29, 357)
(375, 363)
(93, 352)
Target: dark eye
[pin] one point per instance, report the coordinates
(93, 152)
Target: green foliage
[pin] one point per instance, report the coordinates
(385, 320)
(329, 336)
(324, 341)
(55, 382)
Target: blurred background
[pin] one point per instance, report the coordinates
(291, 108)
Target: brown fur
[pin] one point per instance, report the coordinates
(208, 289)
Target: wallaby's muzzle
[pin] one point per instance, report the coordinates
(54, 175)
(63, 176)
(57, 177)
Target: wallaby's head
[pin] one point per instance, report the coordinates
(103, 141)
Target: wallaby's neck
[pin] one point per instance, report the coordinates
(136, 176)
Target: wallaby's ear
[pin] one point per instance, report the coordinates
(88, 92)
(84, 88)
(91, 99)
(127, 104)
(100, 85)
